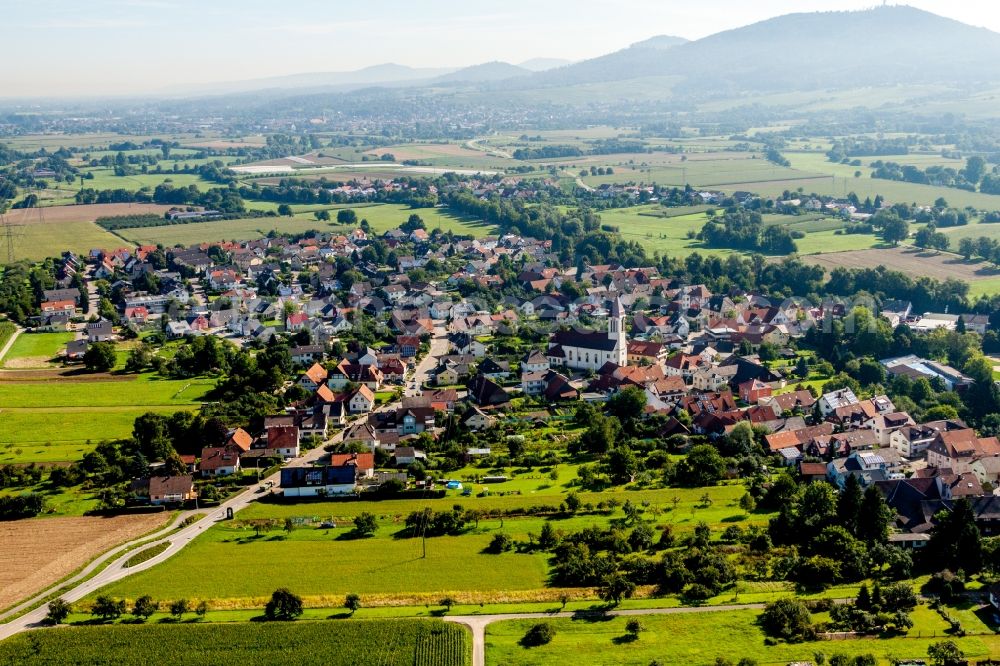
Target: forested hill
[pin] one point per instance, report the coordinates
(895, 45)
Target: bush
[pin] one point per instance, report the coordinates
(539, 634)
(501, 543)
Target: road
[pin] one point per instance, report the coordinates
(178, 538)
(422, 373)
(10, 343)
(473, 144)
(478, 623)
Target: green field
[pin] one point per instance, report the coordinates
(391, 565)
(381, 217)
(140, 392)
(37, 241)
(36, 348)
(338, 643)
(669, 235)
(700, 638)
(56, 422)
(59, 435)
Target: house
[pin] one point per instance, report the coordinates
(305, 354)
(477, 419)
(284, 441)
(534, 361)
(171, 489)
(407, 455)
(363, 433)
(885, 424)
(589, 350)
(240, 439)
(800, 402)
(495, 370)
(958, 449)
(75, 349)
(318, 481)
(911, 441)
(219, 461)
(313, 378)
(642, 352)
(753, 390)
(67, 307)
(100, 331)
(484, 392)
(296, 321)
(408, 345)
(829, 402)
(363, 401)
(363, 463)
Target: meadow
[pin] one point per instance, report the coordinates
(41, 424)
(390, 567)
(381, 217)
(35, 349)
(700, 638)
(670, 235)
(331, 643)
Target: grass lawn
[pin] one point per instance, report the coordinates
(340, 643)
(696, 638)
(37, 346)
(141, 392)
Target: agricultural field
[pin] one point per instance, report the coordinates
(381, 217)
(48, 232)
(38, 553)
(724, 173)
(699, 638)
(390, 568)
(982, 277)
(332, 643)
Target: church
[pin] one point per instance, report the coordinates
(589, 350)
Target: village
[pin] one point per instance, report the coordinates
(435, 353)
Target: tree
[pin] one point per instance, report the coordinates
(322, 215)
(144, 607)
(538, 634)
(365, 524)
(100, 357)
(347, 216)
(849, 504)
(627, 404)
(201, 610)
(107, 608)
(179, 607)
(352, 603)
(59, 610)
(955, 540)
(285, 210)
(616, 587)
(945, 653)
(786, 618)
(874, 518)
(703, 466)
(895, 230)
(448, 602)
(623, 464)
(284, 605)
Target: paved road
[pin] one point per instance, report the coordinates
(10, 343)
(177, 538)
(478, 623)
(422, 373)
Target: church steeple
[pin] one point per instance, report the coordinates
(616, 320)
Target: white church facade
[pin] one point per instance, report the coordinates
(589, 350)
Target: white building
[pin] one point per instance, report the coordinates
(589, 350)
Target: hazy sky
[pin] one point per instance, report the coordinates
(58, 47)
